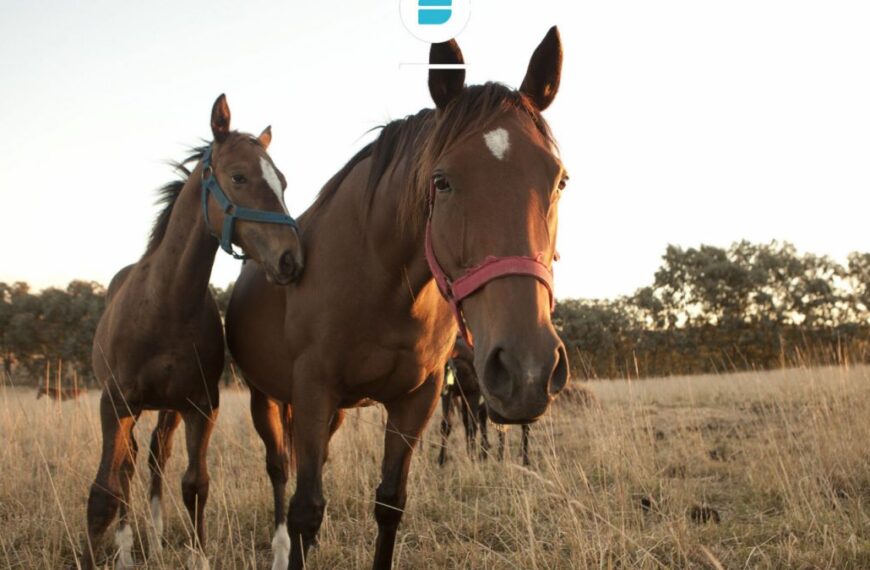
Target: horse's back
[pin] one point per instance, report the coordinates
(102, 335)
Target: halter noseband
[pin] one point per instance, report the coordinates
(455, 290)
(231, 211)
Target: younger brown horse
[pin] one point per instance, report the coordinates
(457, 203)
(464, 392)
(159, 344)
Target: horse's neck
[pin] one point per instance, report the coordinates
(402, 246)
(401, 251)
(181, 265)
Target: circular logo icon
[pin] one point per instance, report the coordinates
(435, 21)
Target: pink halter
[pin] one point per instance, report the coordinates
(476, 277)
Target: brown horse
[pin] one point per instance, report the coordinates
(436, 195)
(159, 344)
(464, 393)
(60, 394)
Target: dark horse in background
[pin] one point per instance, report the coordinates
(458, 203)
(60, 394)
(159, 344)
(464, 392)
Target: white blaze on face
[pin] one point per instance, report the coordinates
(271, 178)
(498, 141)
(124, 542)
(281, 548)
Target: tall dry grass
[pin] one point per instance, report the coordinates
(779, 459)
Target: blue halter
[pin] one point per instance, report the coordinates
(231, 211)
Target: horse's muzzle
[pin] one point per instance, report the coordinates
(519, 385)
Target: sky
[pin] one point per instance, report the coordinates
(680, 122)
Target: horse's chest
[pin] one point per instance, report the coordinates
(380, 372)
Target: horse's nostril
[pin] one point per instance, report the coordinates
(287, 264)
(560, 373)
(497, 375)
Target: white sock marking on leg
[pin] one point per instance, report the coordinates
(124, 542)
(281, 548)
(156, 537)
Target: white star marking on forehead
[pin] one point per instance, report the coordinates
(498, 141)
(271, 178)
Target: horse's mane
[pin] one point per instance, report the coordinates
(427, 136)
(169, 192)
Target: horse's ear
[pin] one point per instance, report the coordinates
(266, 136)
(545, 69)
(220, 119)
(445, 84)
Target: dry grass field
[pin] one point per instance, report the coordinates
(759, 470)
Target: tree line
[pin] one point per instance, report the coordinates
(49, 334)
(709, 309)
(713, 309)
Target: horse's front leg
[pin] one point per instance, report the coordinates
(108, 490)
(272, 425)
(406, 419)
(469, 422)
(198, 427)
(526, 445)
(446, 412)
(482, 417)
(160, 450)
(313, 419)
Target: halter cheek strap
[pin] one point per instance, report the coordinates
(454, 291)
(232, 212)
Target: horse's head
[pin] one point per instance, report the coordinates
(494, 181)
(253, 214)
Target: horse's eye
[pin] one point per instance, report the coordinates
(441, 183)
(239, 179)
(563, 183)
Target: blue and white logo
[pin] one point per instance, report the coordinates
(433, 12)
(435, 20)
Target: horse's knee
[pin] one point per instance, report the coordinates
(389, 508)
(102, 508)
(445, 428)
(193, 490)
(277, 467)
(306, 515)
